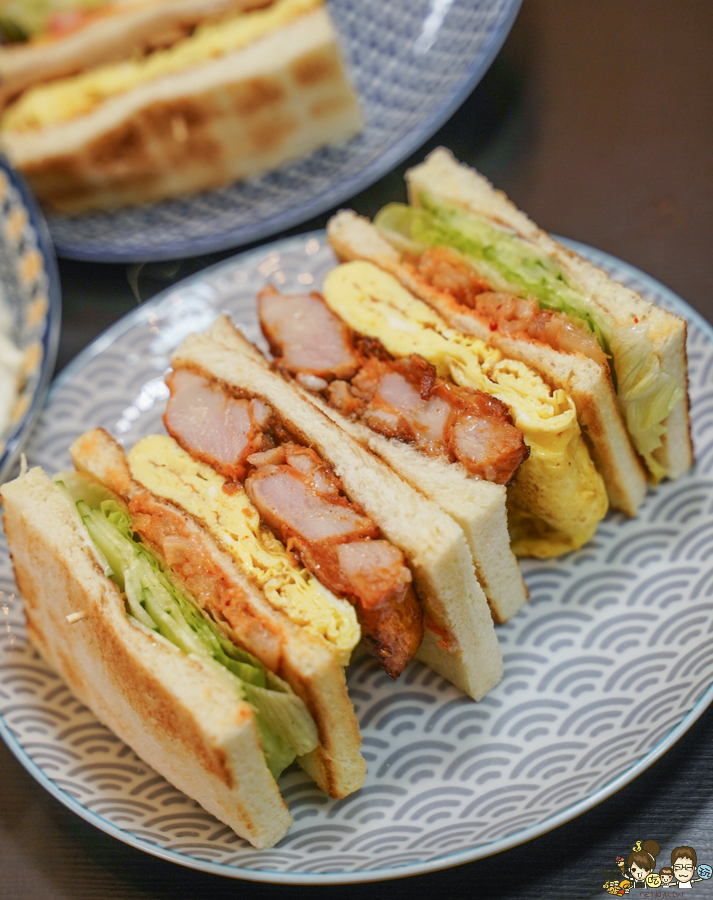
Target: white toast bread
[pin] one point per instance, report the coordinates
(247, 111)
(442, 176)
(433, 544)
(176, 714)
(303, 660)
(476, 505)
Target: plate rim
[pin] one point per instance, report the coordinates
(53, 321)
(461, 857)
(334, 195)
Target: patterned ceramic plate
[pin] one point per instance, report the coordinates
(605, 667)
(30, 312)
(413, 63)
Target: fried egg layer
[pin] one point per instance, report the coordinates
(165, 469)
(557, 497)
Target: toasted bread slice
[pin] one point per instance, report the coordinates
(460, 641)
(303, 660)
(171, 709)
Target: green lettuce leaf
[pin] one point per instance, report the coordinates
(154, 600)
(646, 394)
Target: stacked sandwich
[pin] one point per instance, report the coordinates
(487, 271)
(203, 592)
(131, 101)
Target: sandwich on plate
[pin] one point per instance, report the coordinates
(132, 101)
(470, 429)
(465, 250)
(202, 593)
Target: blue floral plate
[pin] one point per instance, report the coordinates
(30, 310)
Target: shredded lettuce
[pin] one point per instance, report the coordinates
(508, 262)
(646, 394)
(285, 726)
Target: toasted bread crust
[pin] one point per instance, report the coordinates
(176, 714)
(245, 112)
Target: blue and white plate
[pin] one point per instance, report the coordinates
(413, 63)
(30, 307)
(605, 668)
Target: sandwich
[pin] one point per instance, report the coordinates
(142, 100)
(465, 250)
(351, 520)
(202, 592)
(133, 646)
(454, 417)
(325, 374)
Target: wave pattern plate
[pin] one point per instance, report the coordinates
(606, 666)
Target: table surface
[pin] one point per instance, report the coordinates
(596, 118)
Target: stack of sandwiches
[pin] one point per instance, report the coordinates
(108, 104)
(477, 394)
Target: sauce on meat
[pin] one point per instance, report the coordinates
(445, 270)
(399, 398)
(301, 499)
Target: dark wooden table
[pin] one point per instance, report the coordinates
(596, 118)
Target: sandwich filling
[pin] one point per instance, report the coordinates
(77, 95)
(165, 469)
(557, 497)
(300, 498)
(154, 601)
(399, 398)
(515, 288)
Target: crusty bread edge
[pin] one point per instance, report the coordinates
(186, 724)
